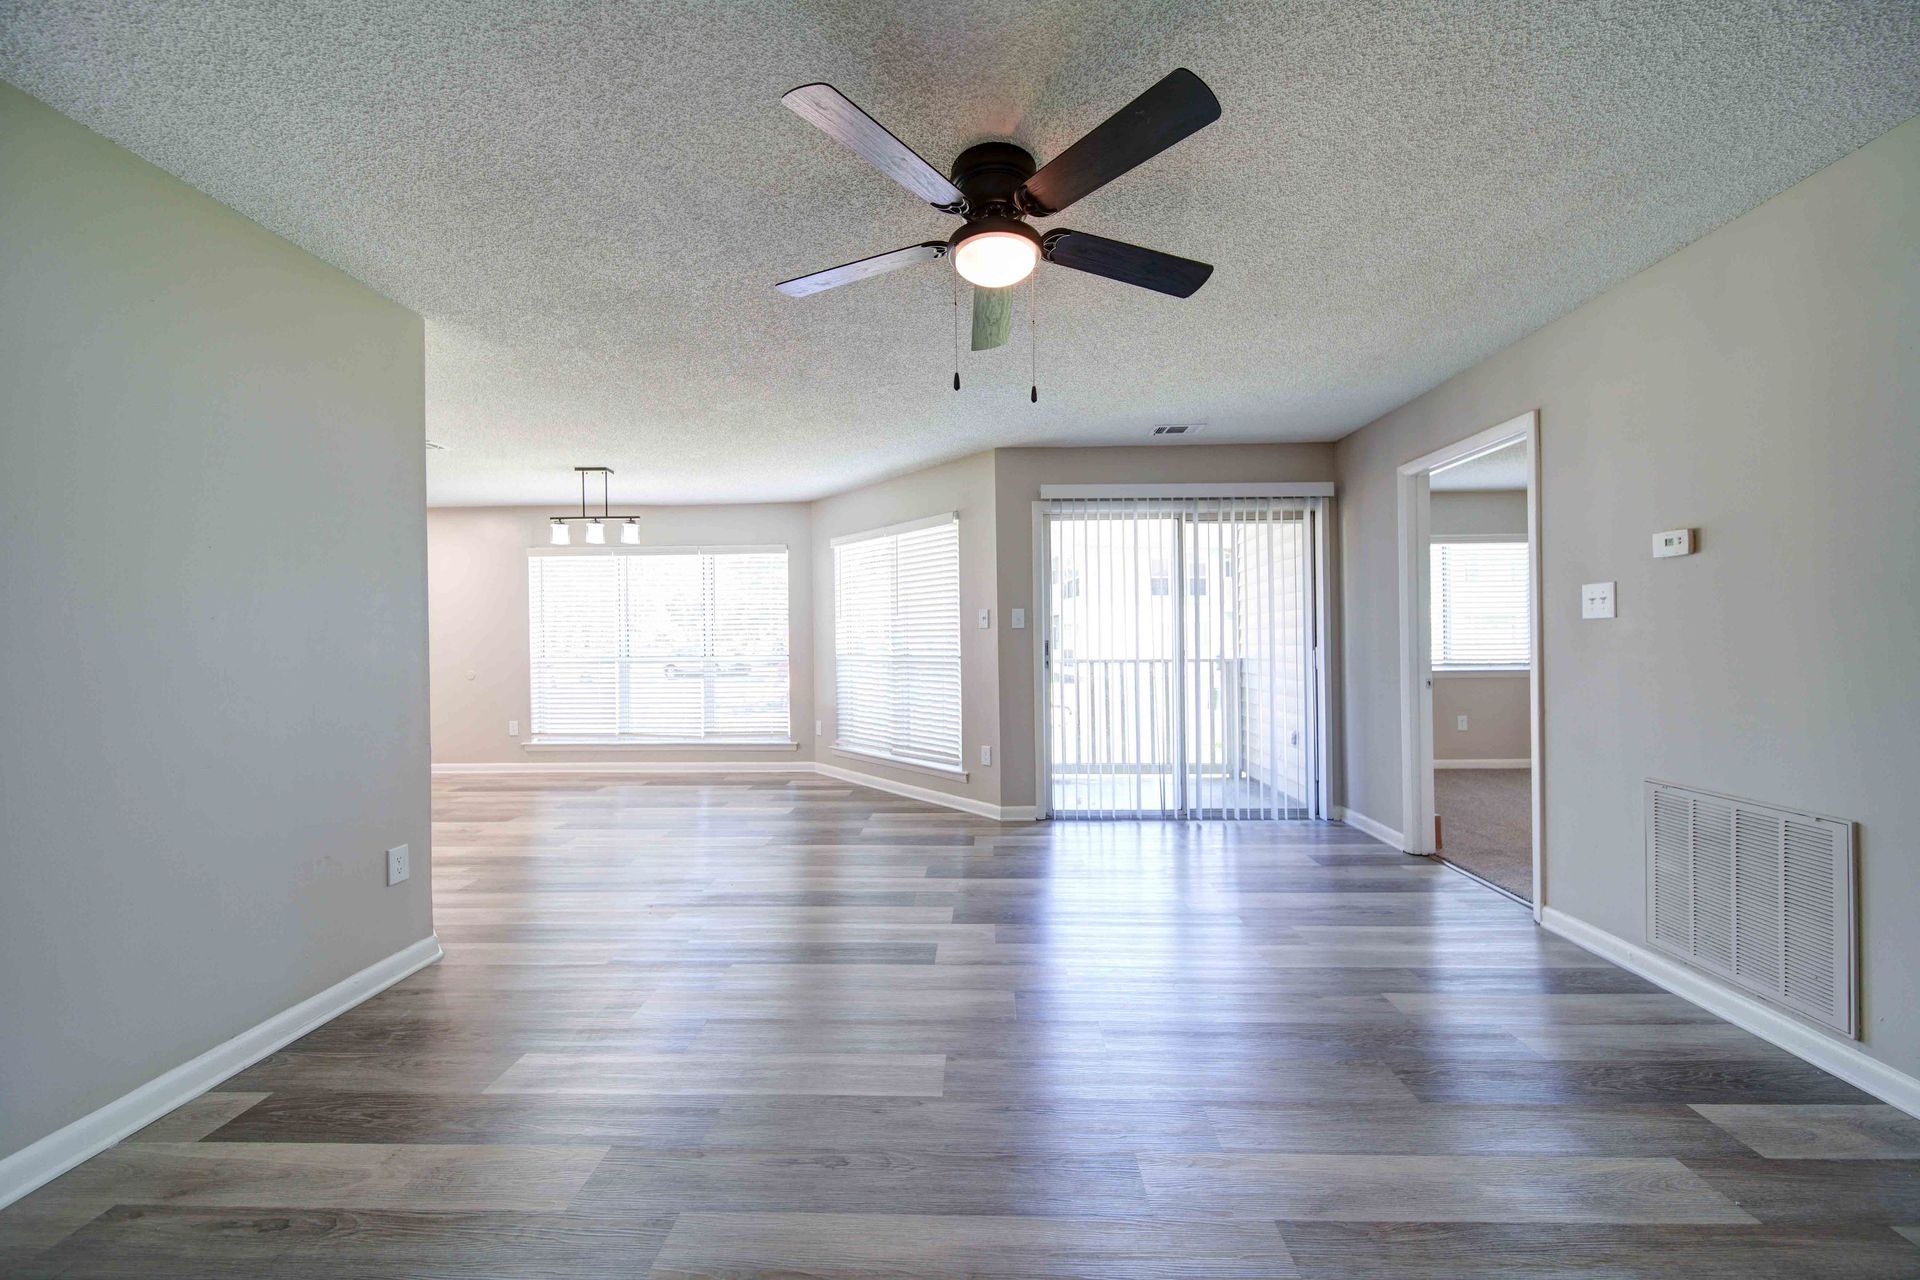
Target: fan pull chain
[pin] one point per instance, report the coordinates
(1033, 360)
(956, 331)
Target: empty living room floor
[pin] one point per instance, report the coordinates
(770, 1026)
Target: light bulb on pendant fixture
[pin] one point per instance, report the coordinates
(630, 533)
(596, 534)
(994, 252)
(561, 537)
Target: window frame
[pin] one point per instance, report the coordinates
(859, 748)
(1435, 627)
(537, 740)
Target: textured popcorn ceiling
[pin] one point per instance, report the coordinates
(590, 203)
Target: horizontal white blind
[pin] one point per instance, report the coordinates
(659, 646)
(1479, 604)
(897, 643)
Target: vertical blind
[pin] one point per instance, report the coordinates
(659, 645)
(1180, 657)
(1479, 604)
(896, 601)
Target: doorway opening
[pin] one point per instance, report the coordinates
(1180, 656)
(1469, 519)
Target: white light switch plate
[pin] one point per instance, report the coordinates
(1596, 600)
(1460, 723)
(986, 619)
(986, 756)
(513, 728)
(1019, 619)
(397, 868)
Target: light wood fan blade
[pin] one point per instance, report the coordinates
(835, 115)
(992, 317)
(848, 272)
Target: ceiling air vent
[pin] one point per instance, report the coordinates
(1179, 429)
(1757, 895)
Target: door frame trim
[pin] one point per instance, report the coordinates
(1321, 561)
(1416, 732)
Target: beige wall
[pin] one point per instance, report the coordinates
(1762, 386)
(477, 589)
(965, 486)
(1479, 513)
(1018, 475)
(214, 688)
(1495, 705)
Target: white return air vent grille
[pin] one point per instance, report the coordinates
(1760, 896)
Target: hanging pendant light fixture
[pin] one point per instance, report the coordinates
(562, 533)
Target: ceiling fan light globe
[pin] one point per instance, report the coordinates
(996, 259)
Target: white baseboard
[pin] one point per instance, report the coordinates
(1522, 763)
(1361, 822)
(1842, 1058)
(61, 1150)
(965, 804)
(628, 766)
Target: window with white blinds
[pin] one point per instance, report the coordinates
(667, 645)
(896, 597)
(1479, 605)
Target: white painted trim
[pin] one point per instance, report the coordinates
(905, 526)
(61, 1150)
(626, 766)
(690, 744)
(1521, 763)
(1040, 626)
(954, 771)
(629, 549)
(1282, 489)
(1416, 739)
(1361, 822)
(1479, 673)
(965, 804)
(1842, 1058)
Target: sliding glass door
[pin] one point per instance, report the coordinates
(1179, 663)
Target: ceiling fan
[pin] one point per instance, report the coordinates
(996, 188)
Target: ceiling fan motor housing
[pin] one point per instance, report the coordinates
(988, 175)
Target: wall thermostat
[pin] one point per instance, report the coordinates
(1674, 542)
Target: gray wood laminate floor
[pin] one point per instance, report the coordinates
(772, 1026)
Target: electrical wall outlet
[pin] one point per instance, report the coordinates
(513, 728)
(819, 728)
(397, 865)
(1596, 600)
(1460, 723)
(986, 756)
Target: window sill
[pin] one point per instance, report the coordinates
(896, 762)
(666, 744)
(1481, 673)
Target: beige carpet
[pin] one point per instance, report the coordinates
(1485, 824)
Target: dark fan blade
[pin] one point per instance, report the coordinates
(1179, 105)
(848, 272)
(1127, 263)
(992, 317)
(833, 114)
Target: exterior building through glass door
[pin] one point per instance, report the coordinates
(1180, 657)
